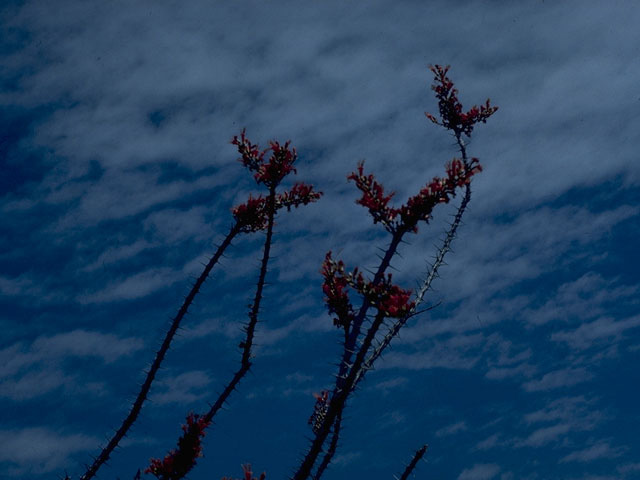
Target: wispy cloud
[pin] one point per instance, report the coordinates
(40, 450)
(596, 451)
(452, 429)
(480, 471)
(118, 178)
(29, 371)
(565, 377)
(182, 389)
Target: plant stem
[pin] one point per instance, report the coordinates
(160, 354)
(414, 461)
(253, 315)
(426, 285)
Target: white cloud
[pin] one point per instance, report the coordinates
(545, 435)
(480, 471)
(135, 286)
(562, 378)
(452, 429)
(594, 452)
(31, 371)
(40, 450)
(597, 332)
(183, 389)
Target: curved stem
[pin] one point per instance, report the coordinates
(332, 447)
(253, 315)
(352, 336)
(338, 401)
(160, 354)
(414, 461)
(426, 285)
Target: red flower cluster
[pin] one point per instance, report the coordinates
(179, 462)
(300, 194)
(248, 474)
(252, 215)
(335, 290)
(373, 197)
(439, 190)
(389, 299)
(270, 172)
(417, 208)
(395, 302)
(451, 114)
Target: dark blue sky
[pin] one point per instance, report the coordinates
(118, 178)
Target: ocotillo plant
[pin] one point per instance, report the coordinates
(256, 214)
(368, 329)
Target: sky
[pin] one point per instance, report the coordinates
(117, 182)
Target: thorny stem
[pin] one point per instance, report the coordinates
(339, 398)
(414, 461)
(253, 319)
(349, 345)
(344, 386)
(352, 337)
(333, 445)
(160, 354)
(253, 315)
(426, 285)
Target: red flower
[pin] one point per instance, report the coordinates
(252, 157)
(300, 194)
(373, 197)
(180, 461)
(451, 114)
(251, 216)
(389, 299)
(395, 303)
(335, 290)
(419, 207)
(439, 190)
(270, 172)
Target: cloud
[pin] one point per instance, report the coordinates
(524, 370)
(584, 298)
(451, 429)
(40, 450)
(597, 332)
(448, 354)
(562, 417)
(345, 459)
(388, 386)
(182, 389)
(135, 286)
(565, 377)
(116, 254)
(31, 371)
(124, 162)
(489, 442)
(480, 471)
(594, 452)
(545, 435)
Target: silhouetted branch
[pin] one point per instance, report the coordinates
(253, 315)
(146, 385)
(333, 445)
(170, 468)
(414, 461)
(426, 285)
